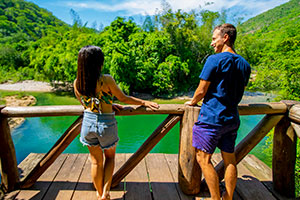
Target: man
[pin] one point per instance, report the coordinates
(222, 82)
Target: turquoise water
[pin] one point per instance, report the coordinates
(39, 134)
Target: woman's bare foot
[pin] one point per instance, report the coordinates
(98, 196)
(105, 197)
(225, 196)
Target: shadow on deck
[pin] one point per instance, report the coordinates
(154, 178)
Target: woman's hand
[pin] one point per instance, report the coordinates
(151, 105)
(117, 107)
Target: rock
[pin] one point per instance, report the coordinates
(18, 101)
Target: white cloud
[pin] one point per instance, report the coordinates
(143, 7)
(131, 7)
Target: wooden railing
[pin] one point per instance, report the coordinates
(284, 116)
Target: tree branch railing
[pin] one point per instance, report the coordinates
(284, 116)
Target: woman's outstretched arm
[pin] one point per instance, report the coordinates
(117, 92)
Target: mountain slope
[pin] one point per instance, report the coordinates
(271, 43)
(19, 16)
(274, 19)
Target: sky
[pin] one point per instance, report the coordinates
(99, 13)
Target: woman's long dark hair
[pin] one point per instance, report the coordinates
(89, 67)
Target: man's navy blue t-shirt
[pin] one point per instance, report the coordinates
(229, 74)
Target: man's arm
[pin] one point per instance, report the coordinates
(199, 93)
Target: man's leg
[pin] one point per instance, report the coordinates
(209, 172)
(230, 176)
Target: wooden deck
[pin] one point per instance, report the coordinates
(155, 178)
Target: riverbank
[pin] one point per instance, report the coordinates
(39, 86)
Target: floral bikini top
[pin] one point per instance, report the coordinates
(94, 103)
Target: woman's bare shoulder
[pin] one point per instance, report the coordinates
(107, 78)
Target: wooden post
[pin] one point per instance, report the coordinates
(189, 172)
(284, 158)
(61, 144)
(145, 148)
(8, 164)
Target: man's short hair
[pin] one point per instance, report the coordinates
(228, 29)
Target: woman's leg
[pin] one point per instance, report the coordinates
(96, 155)
(108, 170)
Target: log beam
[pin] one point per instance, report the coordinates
(8, 161)
(262, 108)
(75, 110)
(61, 144)
(189, 172)
(296, 128)
(284, 158)
(294, 113)
(145, 148)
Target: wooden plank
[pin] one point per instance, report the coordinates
(284, 158)
(38, 190)
(262, 172)
(65, 182)
(248, 186)
(259, 169)
(146, 147)
(172, 161)
(188, 169)
(137, 183)
(8, 161)
(85, 188)
(10, 196)
(61, 144)
(161, 180)
(117, 192)
(28, 164)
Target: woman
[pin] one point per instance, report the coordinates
(99, 127)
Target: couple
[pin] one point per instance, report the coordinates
(222, 83)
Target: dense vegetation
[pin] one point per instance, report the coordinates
(164, 56)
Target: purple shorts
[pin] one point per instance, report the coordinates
(207, 137)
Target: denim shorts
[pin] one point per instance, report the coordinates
(99, 129)
(207, 137)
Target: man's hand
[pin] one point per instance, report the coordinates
(188, 103)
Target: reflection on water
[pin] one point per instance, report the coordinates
(38, 135)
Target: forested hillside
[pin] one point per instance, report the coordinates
(17, 16)
(271, 43)
(22, 23)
